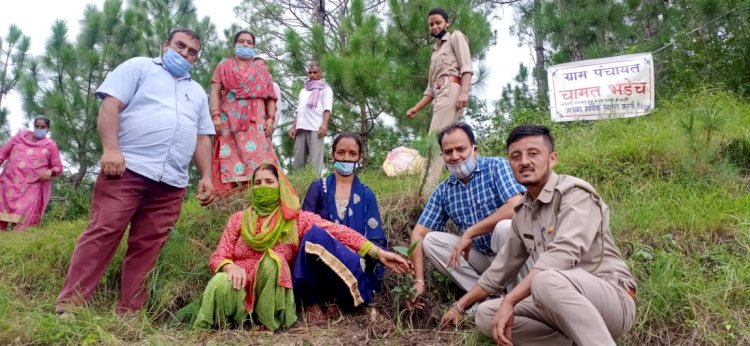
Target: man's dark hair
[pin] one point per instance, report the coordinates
(529, 131)
(439, 10)
(460, 125)
(237, 35)
(185, 31)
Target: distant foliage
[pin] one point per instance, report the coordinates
(737, 152)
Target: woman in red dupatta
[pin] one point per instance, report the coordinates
(243, 106)
(253, 280)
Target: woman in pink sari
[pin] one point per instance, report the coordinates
(32, 160)
(243, 106)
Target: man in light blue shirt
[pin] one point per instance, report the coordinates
(153, 119)
(478, 197)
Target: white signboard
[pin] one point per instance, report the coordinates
(616, 87)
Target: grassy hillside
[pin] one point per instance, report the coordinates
(679, 191)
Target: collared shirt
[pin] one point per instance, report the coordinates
(577, 236)
(311, 118)
(489, 187)
(161, 121)
(450, 58)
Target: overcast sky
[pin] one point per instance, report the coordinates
(35, 18)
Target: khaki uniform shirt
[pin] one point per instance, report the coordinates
(451, 57)
(577, 237)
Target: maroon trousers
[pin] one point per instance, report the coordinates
(151, 208)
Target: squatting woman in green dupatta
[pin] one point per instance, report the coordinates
(253, 279)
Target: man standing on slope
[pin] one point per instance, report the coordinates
(310, 125)
(152, 120)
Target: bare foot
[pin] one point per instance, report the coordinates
(260, 329)
(332, 311)
(314, 315)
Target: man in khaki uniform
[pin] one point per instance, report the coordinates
(447, 87)
(580, 289)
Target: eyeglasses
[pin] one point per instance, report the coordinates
(182, 45)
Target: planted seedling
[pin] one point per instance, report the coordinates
(405, 288)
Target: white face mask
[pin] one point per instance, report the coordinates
(464, 169)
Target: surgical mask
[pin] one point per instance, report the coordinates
(40, 133)
(244, 52)
(464, 169)
(438, 35)
(177, 65)
(345, 168)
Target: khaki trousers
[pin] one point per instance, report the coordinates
(444, 112)
(566, 306)
(308, 145)
(437, 247)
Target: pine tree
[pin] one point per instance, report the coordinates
(375, 55)
(13, 52)
(157, 18)
(62, 83)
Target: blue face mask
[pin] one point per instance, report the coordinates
(244, 52)
(40, 133)
(175, 63)
(345, 168)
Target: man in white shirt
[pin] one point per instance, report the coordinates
(310, 124)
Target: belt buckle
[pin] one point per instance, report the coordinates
(440, 83)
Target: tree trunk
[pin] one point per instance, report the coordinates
(320, 13)
(540, 72)
(83, 167)
(576, 51)
(363, 134)
(652, 21)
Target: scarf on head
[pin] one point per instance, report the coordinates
(280, 208)
(315, 86)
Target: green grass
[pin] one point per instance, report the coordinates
(680, 213)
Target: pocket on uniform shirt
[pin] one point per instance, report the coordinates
(448, 58)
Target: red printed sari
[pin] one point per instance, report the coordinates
(241, 145)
